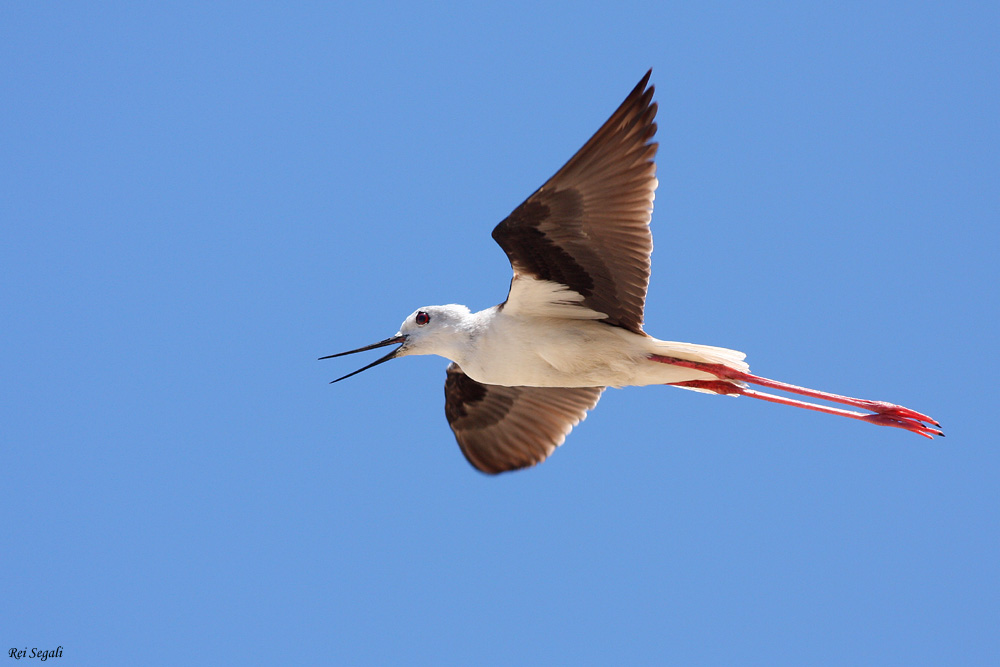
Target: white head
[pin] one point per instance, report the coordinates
(441, 330)
(435, 330)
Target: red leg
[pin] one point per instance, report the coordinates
(728, 388)
(886, 414)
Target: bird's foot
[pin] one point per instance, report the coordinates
(897, 419)
(894, 411)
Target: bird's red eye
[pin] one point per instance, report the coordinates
(423, 318)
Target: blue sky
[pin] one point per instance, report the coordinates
(198, 201)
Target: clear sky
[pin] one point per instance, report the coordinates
(197, 201)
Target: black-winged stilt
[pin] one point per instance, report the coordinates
(525, 372)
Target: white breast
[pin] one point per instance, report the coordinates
(551, 352)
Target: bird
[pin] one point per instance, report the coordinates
(525, 372)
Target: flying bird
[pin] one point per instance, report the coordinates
(526, 371)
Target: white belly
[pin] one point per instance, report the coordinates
(541, 352)
(552, 353)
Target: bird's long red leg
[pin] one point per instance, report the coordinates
(885, 414)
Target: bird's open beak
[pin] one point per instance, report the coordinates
(388, 341)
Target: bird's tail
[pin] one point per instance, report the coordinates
(706, 354)
(703, 353)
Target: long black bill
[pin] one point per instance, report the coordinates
(391, 355)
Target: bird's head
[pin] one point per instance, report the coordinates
(441, 330)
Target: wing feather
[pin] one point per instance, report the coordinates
(587, 228)
(507, 428)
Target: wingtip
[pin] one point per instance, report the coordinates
(643, 86)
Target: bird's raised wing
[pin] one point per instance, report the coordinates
(506, 428)
(580, 245)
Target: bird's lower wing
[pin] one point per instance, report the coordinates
(507, 428)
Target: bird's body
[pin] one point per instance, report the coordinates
(526, 371)
(497, 347)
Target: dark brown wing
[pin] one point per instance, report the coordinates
(506, 428)
(587, 228)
